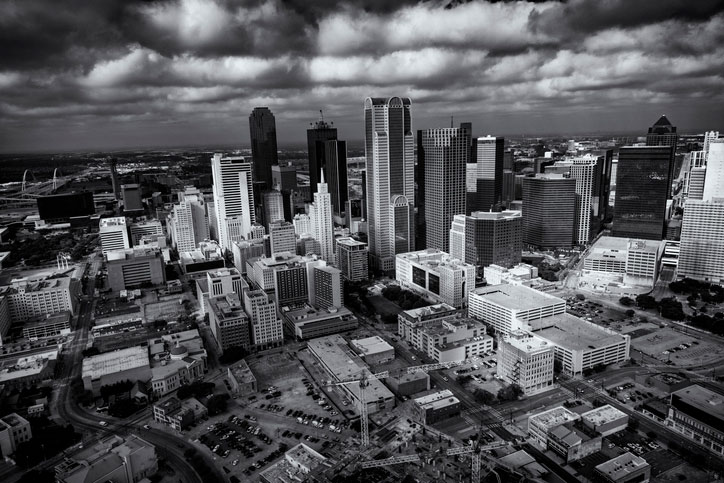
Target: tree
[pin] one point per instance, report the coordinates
(646, 301)
(510, 393)
(483, 396)
(91, 351)
(626, 301)
(463, 379)
(670, 308)
(630, 313)
(557, 366)
(217, 404)
(233, 354)
(580, 296)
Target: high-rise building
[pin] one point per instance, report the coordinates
(714, 183)
(263, 135)
(445, 158)
(141, 229)
(115, 182)
(233, 198)
(549, 211)
(187, 224)
(335, 173)
(302, 224)
(325, 286)
(113, 234)
(662, 133)
(694, 160)
(488, 238)
(390, 164)
(273, 206)
(281, 237)
(284, 179)
(642, 189)
(245, 250)
(321, 220)
(526, 360)
(266, 327)
(229, 323)
(701, 255)
(317, 137)
(484, 176)
(352, 259)
(132, 202)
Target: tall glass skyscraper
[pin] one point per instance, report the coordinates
(390, 164)
(263, 135)
(317, 136)
(485, 174)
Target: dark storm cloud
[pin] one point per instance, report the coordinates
(191, 64)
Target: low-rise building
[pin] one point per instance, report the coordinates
(541, 423)
(526, 360)
(305, 322)
(436, 274)
(572, 442)
(28, 371)
(115, 458)
(135, 267)
(126, 364)
(178, 414)
(241, 379)
(408, 384)
(229, 323)
(626, 468)
(176, 369)
(32, 297)
(50, 325)
(520, 274)
(201, 260)
(698, 414)
(605, 420)
(297, 462)
(373, 350)
(635, 261)
(14, 429)
(437, 406)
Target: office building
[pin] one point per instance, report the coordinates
(408, 384)
(436, 274)
(317, 138)
(114, 458)
(134, 268)
(437, 406)
(352, 259)
(698, 413)
(245, 250)
(284, 178)
(303, 321)
(633, 262)
(390, 193)
(642, 189)
(113, 234)
(662, 133)
(605, 420)
(625, 468)
(282, 237)
(130, 364)
(540, 424)
(284, 273)
(132, 198)
(148, 228)
(714, 183)
(521, 274)
(263, 136)
(325, 286)
(373, 350)
(296, 464)
(217, 283)
(443, 334)
(572, 442)
(581, 345)
(31, 297)
(179, 415)
(322, 222)
(241, 379)
(446, 152)
(266, 327)
(549, 211)
(229, 323)
(63, 208)
(207, 257)
(484, 176)
(302, 224)
(233, 197)
(487, 238)
(187, 224)
(526, 360)
(507, 308)
(701, 255)
(273, 206)
(14, 430)
(341, 363)
(335, 174)
(694, 160)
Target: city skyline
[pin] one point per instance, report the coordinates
(189, 72)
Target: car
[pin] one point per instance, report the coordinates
(444, 378)
(146, 426)
(413, 358)
(103, 423)
(235, 462)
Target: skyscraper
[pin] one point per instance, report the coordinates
(317, 136)
(132, 202)
(662, 133)
(484, 238)
(233, 198)
(263, 135)
(113, 233)
(187, 223)
(282, 237)
(445, 157)
(321, 221)
(390, 164)
(335, 173)
(352, 259)
(549, 211)
(484, 177)
(273, 206)
(714, 182)
(642, 188)
(702, 240)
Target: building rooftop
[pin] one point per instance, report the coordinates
(617, 468)
(132, 253)
(242, 373)
(113, 221)
(371, 345)
(497, 215)
(527, 343)
(350, 242)
(435, 259)
(227, 307)
(429, 312)
(296, 463)
(116, 361)
(703, 399)
(574, 333)
(516, 297)
(25, 366)
(12, 420)
(603, 415)
(37, 284)
(437, 400)
(553, 417)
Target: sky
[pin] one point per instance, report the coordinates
(78, 74)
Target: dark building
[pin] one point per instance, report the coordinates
(61, 208)
(114, 179)
(662, 133)
(263, 135)
(420, 228)
(549, 211)
(316, 150)
(604, 183)
(335, 174)
(284, 178)
(132, 199)
(642, 188)
(485, 184)
(484, 238)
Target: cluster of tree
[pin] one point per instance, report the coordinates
(91, 351)
(548, 271)
(122, 408)
(626, 301)
(196, 389)
(233, 354)
(669, 308)
(48, 440)
(510, 393)
(118, 389)
(715, 324)
(404, 298)
(598, 368)
(463, 379)
(38, 476)
(484, 397)
(709, 293)
(198, 463)
(216, 404)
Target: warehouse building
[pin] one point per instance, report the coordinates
(373, 350)
(605, 420)
(126, 364)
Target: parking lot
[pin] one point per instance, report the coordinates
(667, 344)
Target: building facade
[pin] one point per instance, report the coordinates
(113, 233)
(233, 197)
(526, 360)
(484, 176)
(229, 323)
(352, 259)
(488, 238)
(549, 211)
(701, 255)
(263, 136)
(436, 274)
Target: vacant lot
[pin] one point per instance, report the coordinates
(166, 309)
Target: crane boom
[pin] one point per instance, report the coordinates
(432, 367)
(395, 460)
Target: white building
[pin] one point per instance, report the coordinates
(266, 327)
(113, 233)
(506, 308)
(233, 198)
(187, 224)
(714, 184)
(108, 368)
(373, 350)
(526, 360)
(322, 222)
(39, 297)
(273, 206)
(282, 237)
(302, 224)
(437, 274)
(521, 274)
(541, 423)
(219, 283)
(701, 254)
(634, 261)
(390, 164)
(352, 259)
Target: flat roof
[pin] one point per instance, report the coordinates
(708, 401)
(350, 242)
(14, 419)
(371, 345)
(292, 467)
(116, 361)
(434, 259)
(573, 333)
(553, 417)
(526, 342)
(617, 468)
(113, 221)
(132, 253)
(436, 309)
(604, 414)
(437, 400)
(496, 215)
(516, 297)
(26, 366)
(242, 373)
